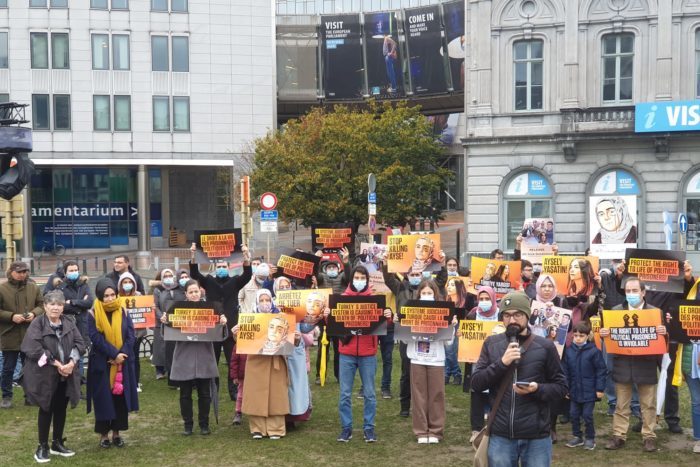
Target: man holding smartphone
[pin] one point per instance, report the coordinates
(520, 432)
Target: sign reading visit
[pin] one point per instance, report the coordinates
(667, 116)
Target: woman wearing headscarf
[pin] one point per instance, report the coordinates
(265, 386)
(52, 347)
(111, 384)
(126, 288)
(172, 290)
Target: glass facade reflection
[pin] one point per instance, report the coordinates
(315, 7)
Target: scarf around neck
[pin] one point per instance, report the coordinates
(111, 330)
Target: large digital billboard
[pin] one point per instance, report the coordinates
(426, 59)
(384, 57)
(453, 15)
(341, 47)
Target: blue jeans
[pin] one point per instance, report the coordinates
(451, 363)
(610, 387)
(18, 368)
(390, 71)
(504, 452)
(386, 347)
(585, 410)
(694, 388)
(348, 367)
(9, 366)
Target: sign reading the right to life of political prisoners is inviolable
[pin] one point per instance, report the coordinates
(356, 315)
(218, 245)
(633, 332)
(194, 321)
(684, 326)
(426, 320)
(661, 270)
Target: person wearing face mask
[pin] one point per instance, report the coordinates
(332, 277)
(246, 297)
(223, 290)
(453, 269)
(358, 353)
(122, 265)
(427, 378)
(172, 289)
(639, 370)
(127, 288)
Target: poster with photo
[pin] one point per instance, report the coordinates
(456, 41)
(371, 254)
(573, 275)
(265, 334)
(383, 54)
(218, 245)
(612, 225)
(548, 320)
(417, 252)
(341, 57)
(502, 276)
(661, 270)
(306, 305)
(633, 332)
(426, 52)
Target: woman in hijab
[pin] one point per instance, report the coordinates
(126, 288)
(52, 347)
(265, 391)
(111, 383)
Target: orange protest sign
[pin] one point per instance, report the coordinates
(595, 329)
(265, 334)
(502, 276)
(141, 310)
(306, 305)
(472, 336)
(633, 332)
(413, 253)
(573, 274)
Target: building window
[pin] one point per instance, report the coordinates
(159, 53)
(159, 5)
(181, 53)
(100, 52)
(101, 113)
(618, 67)
(60, 55)
(181, 113)
(99, 4)
(45, 3)
(39, 43)
(61, 112)
(59, 3)
(4, 62)
(41, 112)
(120, 52)
(528, 70)
(176, 6)
(3, 3)
(120, 4)
(37, 3)
(527, 196)
(4, 98)
(122, 113)
(161, 113)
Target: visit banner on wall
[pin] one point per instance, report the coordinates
(193, 322)
(573, 274)
(425, 320)
(426, 59)
(502, 276)
(538, 237)
(472, 336)
(684, 326)
(306, 305)
(550, 320)
(265, 334)
(299, 267)
(141, 310)
(218, 245)
(661, 270)
(419, 252)
(633, 332)
(453, 13)
(612, 225)
(356, 315)
(384, 60)
(341, 57)
(332, 236)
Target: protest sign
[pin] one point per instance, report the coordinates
(538, 231)
(332, 236)
(299, 267)
(265, 334)
(573, 274)
(306, 305)
(472, 336)
(218, 245)
(192, 322)
(612, 225)
(141, 310)
(425, 320)
(356, 315)
(661, 270)
(595, 329)
(413, 253)
(684, 326)
(633, 332)
(502, 276)
(376, 282)
(550, 318)
(371, 254)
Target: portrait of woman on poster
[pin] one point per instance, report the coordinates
(502, 273)
(615, 221)
(581, 277)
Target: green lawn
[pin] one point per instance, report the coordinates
(154, 437)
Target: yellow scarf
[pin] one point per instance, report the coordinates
(112, 331)
(677, 368)
(324, 357)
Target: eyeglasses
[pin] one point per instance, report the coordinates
(516, 315)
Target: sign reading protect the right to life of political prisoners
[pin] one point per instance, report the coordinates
(356, 315)
(194, 322)
(420, 319)
(300, 267)
(633, 332)
(661, 270)
(218, 245)
(684, 326)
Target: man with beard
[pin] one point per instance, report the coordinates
(529, 367)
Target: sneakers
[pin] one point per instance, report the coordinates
(386, 394)
(118, 441)
(615, 443)
(589, 444)
(139, 388)
(404, 413)
(237, 418)
(58, 449)
(370, 437)
(574, 442)
(187, 431)
(318, 381)
(360, 394)
(275, 437)
(649, 445)
(42, 454)
(696, 448)
(422, 440)
(675, 428)
(433, 440)
(257, 435)
(345, 435)
(161, 376)
(204, 431)
(6, 404)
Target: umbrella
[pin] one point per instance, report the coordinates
(214, 391)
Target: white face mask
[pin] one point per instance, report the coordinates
(427, 298)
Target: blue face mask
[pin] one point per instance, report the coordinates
(427, 274)
(167, 281)
(332, 273)
(452, 273)
(414, 281)
(633, 299)
(359, 285)
(221, 273)
(485, 306)
(183, 282)
(254, 268)
(73, 276)
(128, 287)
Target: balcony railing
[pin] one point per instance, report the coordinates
(598, 119)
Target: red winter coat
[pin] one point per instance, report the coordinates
(358, 346)
(237, 365)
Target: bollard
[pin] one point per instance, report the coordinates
(31, 266)
(156, 262)
(177, 264)
(458, 240)
(84, 266)
(104, 266)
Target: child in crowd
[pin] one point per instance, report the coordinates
(237, 374)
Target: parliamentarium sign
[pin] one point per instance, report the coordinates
(667, 116)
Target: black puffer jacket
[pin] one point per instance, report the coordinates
(521, 417)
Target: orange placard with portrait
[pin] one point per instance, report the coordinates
(419, 252)
(306, 305)
(595, 329)
(633, 332)
(265, 334)
(141, 310)
(472, 336)
(502, 276)
(573, 274)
